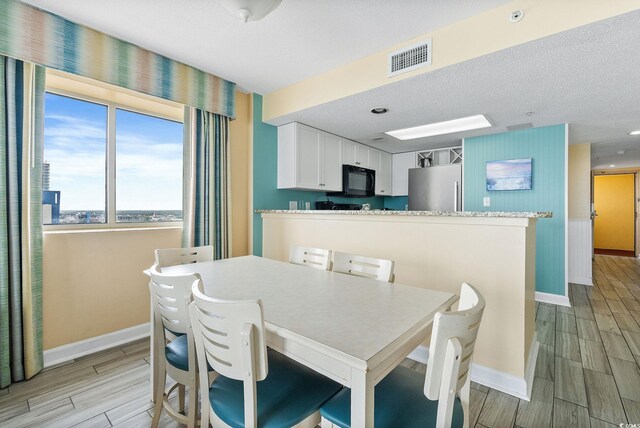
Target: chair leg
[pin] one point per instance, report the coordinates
(181, 398)
(193, 404)
(160, 385)
(326, 424)
(464, 395)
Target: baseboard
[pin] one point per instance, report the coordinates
(504, 382)
(530, 370)
(70, 351)
(581, 280)
(554, 299)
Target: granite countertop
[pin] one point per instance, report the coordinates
(544, 214)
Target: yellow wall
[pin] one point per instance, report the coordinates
(479, 35)
(239, 170)
(579, 181)
(92, 279)
(93, 282)
(613, 196)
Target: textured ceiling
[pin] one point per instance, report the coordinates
(587, 76)
(300, 39)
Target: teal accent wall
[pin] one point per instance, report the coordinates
(547, 147)
(265, 177)
(396, 203)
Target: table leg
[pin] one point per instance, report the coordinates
(362, 399)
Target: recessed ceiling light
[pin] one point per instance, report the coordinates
(620, 152)
(636, 132)
(379, 110)
(478, 121)
(611, 166)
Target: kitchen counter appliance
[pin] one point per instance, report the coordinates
(436, 188)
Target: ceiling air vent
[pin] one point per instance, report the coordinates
(519, 126)
(410, 58)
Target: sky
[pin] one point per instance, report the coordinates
(148, 157)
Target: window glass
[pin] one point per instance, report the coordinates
(148, 168)
(74, 169)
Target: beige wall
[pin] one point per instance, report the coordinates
(579, 181)
(497, 255)
(93, 282)
(479, 35)
(239, 170)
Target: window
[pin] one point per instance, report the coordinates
(107, 164)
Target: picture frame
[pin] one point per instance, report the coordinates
(510, 174)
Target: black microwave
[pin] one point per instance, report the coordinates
(356, 182)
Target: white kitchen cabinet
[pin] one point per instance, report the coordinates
(308, 159)
(349, 152)
(362, 155)
(331, 162)
(355, 154)
(381, 162)
(402, 163)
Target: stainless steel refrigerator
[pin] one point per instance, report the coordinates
(436, 188)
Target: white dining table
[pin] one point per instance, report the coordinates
(353, 330)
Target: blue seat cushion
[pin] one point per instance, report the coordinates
(177, 353)
(399, 402)
(290, 393)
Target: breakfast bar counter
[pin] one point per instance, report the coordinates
(494, 251)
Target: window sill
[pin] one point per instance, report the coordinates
(58, 230)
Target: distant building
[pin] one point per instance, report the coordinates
(46, 174)
(51, 207)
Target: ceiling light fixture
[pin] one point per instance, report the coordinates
(478, 121)
(379, 110)
(611, 166)
(250, 10)
(636, 132)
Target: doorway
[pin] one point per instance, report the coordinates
(615, 216)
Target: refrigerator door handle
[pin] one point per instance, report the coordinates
(455, 196)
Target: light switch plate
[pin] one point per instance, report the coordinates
(486, 201)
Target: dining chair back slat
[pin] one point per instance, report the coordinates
(367, 267)
(181, 256)
(171, 295)
(312, 257)
(224, 327)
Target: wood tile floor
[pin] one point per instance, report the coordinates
(587, 374)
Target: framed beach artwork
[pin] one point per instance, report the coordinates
(513, 174)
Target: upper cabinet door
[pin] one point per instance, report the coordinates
(402, 163)
(331, 165)
(383, 175)
(362, 156)
(308, 158)
(349, 152)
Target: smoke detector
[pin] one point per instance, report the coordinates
(516, 16)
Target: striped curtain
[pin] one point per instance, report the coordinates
(34, 35)
(207, 188)
(21, 146)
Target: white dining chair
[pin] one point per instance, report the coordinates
(312, 257)
(367, 267)
(404, 398)
(174, 348)
(252, 386)
(181, 256)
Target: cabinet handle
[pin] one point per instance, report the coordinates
(382, 191)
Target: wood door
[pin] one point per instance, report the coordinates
(614, 202)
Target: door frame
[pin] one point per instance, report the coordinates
(633, 172)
